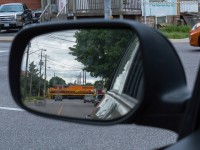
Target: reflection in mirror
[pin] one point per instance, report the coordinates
(67, 73)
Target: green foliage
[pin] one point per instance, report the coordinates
(98, 84)
(30, 83)
(176, 32)
(33, 79)
(56, 81)
(175, 35)
(89, 84)
(175, 28)
(40, 98)
(99, 50)
(33, 99)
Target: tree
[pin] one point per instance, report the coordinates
(99, 50)
(33, 78)
(99, 84)
(89, 84)
(32, 82)
(56, 81)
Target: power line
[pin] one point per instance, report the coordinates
(48, 45)
(52, 36)
(66, 64)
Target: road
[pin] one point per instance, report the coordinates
(67, 107)
(22, 130)
(190, 57)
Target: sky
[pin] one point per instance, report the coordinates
(59, 62)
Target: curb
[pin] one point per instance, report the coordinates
(185, 40)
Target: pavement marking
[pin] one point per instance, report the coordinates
(59, 112)
(9, 108)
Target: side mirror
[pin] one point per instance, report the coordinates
(134, 67)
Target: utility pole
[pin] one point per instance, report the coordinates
(178, 7)
(144, 11)
(30, 89)
(26, 70)
(107, 9)
(42, 4)
(49, 9)
(41, 64)
(80, 78)
(74, 9)
(198, 10)
(45, 74)
(121, 9)
(83, 78)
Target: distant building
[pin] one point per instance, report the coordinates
(190, 6)
(31, 4)
(151, 12)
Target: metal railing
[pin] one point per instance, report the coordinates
(86, 6)
(92, 7)
(65, 13)
(75, 8)
(43, 15)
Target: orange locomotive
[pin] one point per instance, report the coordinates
(71, 91)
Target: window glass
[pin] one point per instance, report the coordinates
(11, 8)
(124, 67)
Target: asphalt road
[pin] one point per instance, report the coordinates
(190, 58)
(67, 107)
(21, 130)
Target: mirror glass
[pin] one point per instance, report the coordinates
(68, 73)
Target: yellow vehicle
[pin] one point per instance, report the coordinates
(71, 91)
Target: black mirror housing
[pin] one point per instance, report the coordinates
(165, 90)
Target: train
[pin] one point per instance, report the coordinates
(71, 91)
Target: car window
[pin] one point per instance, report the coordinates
(124, 68)
(196, 26)
(11, 8)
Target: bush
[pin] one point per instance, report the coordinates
(176, 32)
(176, 35)
(40, 98)
(33, 98)
(175, 28)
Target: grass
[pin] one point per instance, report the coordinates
(32, 99)
(176, 32)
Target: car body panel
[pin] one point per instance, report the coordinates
(194, 35)
(98, 99)
(58, 97)
(110, 108)
(88, 98)
(16, 19)
(36, 15)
